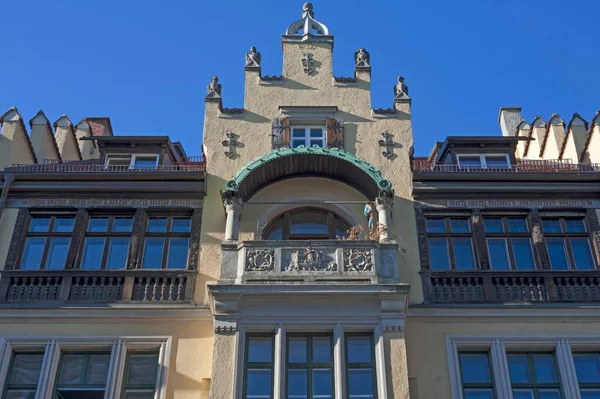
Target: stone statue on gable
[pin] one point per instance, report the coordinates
(362, 59)
(400, 90)
(253, 58)
(214, 88)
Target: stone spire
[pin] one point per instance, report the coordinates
(307, 28)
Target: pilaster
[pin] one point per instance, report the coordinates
(537, 236)
(17, 239)
(480, 240)
(79, 227)
(137, 236)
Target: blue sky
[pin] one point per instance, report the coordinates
(146, 64)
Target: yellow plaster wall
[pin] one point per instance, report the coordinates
(7, 225)
(191, 346)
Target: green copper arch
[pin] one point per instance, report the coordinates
(370, 170)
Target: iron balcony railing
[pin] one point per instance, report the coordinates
(420, 165)
(192, 164)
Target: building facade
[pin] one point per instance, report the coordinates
(308, 253)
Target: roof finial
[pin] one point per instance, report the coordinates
(307, 8)
(307, 25)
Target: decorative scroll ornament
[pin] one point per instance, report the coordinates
(401, 90)
(214, 88)
(337, 128)
(362, 59)
(230, 142)
(309, 259)
(260, 260)
(279, 129)
(253, 58)
(308, 63)
(389, 145)
(358, 260)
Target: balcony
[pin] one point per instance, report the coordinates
(311, 261)
(423, 165)
(88, 287)
(518, 286)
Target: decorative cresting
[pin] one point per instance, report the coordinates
(358, 260)
(260, 260)
(328, 162)
(307, 27)
(310, 259)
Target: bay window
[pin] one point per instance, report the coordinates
(450, 243)
(47, 242)
(567, 240)
(106, 244)
(509, 243)
(166, 244)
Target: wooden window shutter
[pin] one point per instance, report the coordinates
(335, 133)
(281, 133)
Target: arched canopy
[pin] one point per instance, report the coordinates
(288, 163)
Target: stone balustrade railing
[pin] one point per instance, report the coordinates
(165, 286)
(515, 286)
(310, 261)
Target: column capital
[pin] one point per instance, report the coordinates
(384, 203)
(232, 204)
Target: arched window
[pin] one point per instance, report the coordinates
(306, 224)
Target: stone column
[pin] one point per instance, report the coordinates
(384, 207)
(537, 236)
(233, 207)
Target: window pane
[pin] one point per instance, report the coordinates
(145, 162)
(72, 365)
(549, 394)
(97, 370)
(57, 253)
(323, 383)
(20, 394)
(436, 226)
(474, 368)
(157, 225)
(125, 162)
(317, 143)
(118, 251)
(590, 394)
(26, 369)
(308, 222)
(98, 224)
(582, 254)
(463, 254)
(519, 370)
(153, 253)
(275, 231)
(39, 225)
(92, 252)
(298, 133)
(478, 394)
(469, 160)
(137, 394)
(498, 254)
(523, 254)
(557, 253)
(260, 350)
(496, 161)
(322, 352)
(141, 369)
(439, 257)
(181, 225)
(341, 228)
(178, 253)
(122, 224)
(523, 394)
(459, 225)
(297, 384)
(575, 225)
(360, 384)
(63, 225)
(32, 253)
(359, 349)
(258, 384)
(545, 371)
(316, 132)
(297, 143)
(297, 350)
(493, 225)
(517, 225)
(587, 367)
(551, 226)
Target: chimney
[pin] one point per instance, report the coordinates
(509, 118)
(100, 126)
(87, 147)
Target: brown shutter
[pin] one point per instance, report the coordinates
(281, 133)
(335, 133)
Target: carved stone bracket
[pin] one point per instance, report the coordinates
(388, 143)
(79, 227)
(230, 143)
(594, 224)
(422, 238)
(137, 234)
(309, 259)
(358, 260)
(195, 240)
(260, 260)
(537, 237)
(480, 240)
(17, 239)
(308, 63)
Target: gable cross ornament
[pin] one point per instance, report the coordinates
(389, 144)
(230, 142)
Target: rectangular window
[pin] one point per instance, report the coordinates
(534, 376)
(82, 375)
(23, 375)
(450, 243)
(139, 381)
(587, 366)
(483, 161)
(258, 370)
(360, 367)
(106, 243)
(308, 136)
(509, 243)
(47, 242)
(477, 381)
(132, 161)
(310, 367)
(568, 243)
(167, 242)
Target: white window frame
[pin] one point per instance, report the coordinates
(118, 347)
(483, 160)
(338, 331)
(307, 137)
(498, 346)
(132, 157)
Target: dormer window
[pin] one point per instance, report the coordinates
(308, 136)
(483, 161)
(132, 161)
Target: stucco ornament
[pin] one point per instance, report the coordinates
(308, 63)
(401, 90)
(214, 88)
(389, 144)
(230, 143)
(279, 128)
(338, 134)
(253, 58)
(358, 260)
(309, 259)
(260, 260)
(362, 59)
